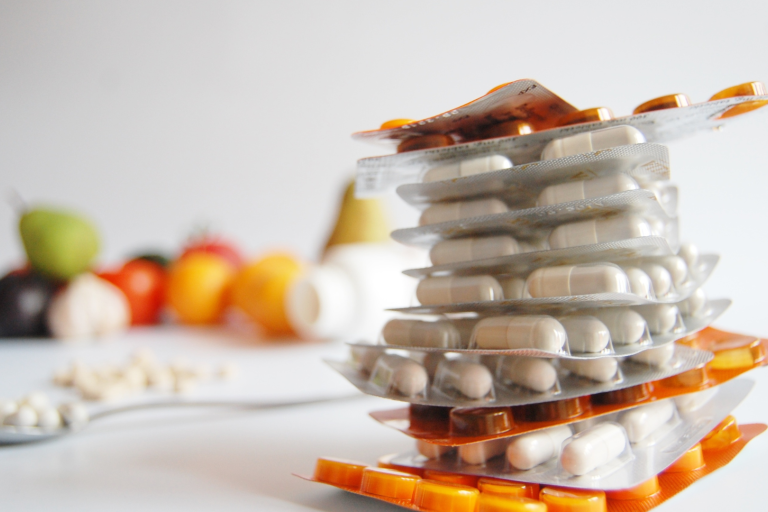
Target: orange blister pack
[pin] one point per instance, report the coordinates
(735, 354)
(436, 491)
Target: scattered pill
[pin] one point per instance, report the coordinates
(416, 333)
(529, 372)
(467, 168)
(660, 278)
(639, 282)
(523, 331)
(37, 400)
(25, 416)
(512, 287)
(598, 231)
(586, 333)
(469, 249)
(447, 212)
(472, 380)
(661, 318)
(432, 451)
(586, 189)
(592, 141)
(600, 370)
(694, 306)
(530, 450)
(644, 420)
(694, 401)
(74, 413)
(593, 448)
(400, 374)
(657, 357)
(569, 280)
(480, 453)
(458, 289)
(626, 326)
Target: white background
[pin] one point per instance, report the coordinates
(153, 117)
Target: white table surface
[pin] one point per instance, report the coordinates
(224, 459)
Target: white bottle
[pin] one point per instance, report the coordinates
(345, 297)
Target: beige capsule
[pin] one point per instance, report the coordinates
(399, 374)
(657, 357)
(661, 318)
(540, 332)
(600, 370)
(569, 280)
(626, 326)
(586, 189)
(598, 231)
(593, 448)
(529, 372)
(640, 283)
(592, 141)
(468, 167)
(480, 453)
(512, 287)
(417, 333)
(530, 450)
(586, 333)
(458, 289)
(470, 249)
(446, 212)
(473, 380)
(640, 422)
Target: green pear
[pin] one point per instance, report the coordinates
(359, 221)
(59, 244)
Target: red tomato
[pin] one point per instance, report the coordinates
(215, 246)
(143, 283)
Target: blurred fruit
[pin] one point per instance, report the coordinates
(24, 300)
(88, 307)
(143, 283)
(155, 257)
(198, 287)
(213, 245)
(359, 220)
(59, 244)
(260, 288)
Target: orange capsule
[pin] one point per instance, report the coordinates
(395, 123)
(734, 354)
(345, 473)
(481, 421)
(433, 140)
(389, 483)
(452, 478)
(559, 499)
(508, 488)
(747, 89)
(663, 103)
(589, 115)
(691, 460)
(445, 497)
(506, 129)
(722, 436)
(498, 87)
(494, 503)
(639, 492)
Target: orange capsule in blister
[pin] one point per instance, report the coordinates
(346, 473)
(389, 483)
(589, 115)
(550, 411)
(495, 503)
(747, 89)
(498, 87)
(424, 417)
(506, 129)
(663, 103)
(734, 354)
(481, 421)
(630, 395)
(559, 499)
(395, 123)
(692, 378)
(722, 436)
(451, 478)
(691, 460)
(445, 497)
(385, 462)
(508, 488)
(639, 492)
(433, 140)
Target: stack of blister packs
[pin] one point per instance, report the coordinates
(560, 356)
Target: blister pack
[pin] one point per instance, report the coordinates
(450, 380)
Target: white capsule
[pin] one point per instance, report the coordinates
(660, 277)
(432, 451)
(470, 249)
(523, 331)
(512, 287)
(676, 267)
(661, 318)
(655, 356)
(586, 333)
(528, 372)
(530, 450)
(468, 167)
(74, 413)
(472, 380)
(415, 333)
(639, 282)
(694, 306)
(694, 401)
(600, 370)
(480, 453)
(593, 448)
(400, 374)
(586, 189)
(37, 400)
(446, 212)
(626, 326)
(598, 231)
(569, 280)
(458, 289)
(49, 418)
(363, 357)
(643, 421)
(25, 416)
(690, 254)
(592, 141)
